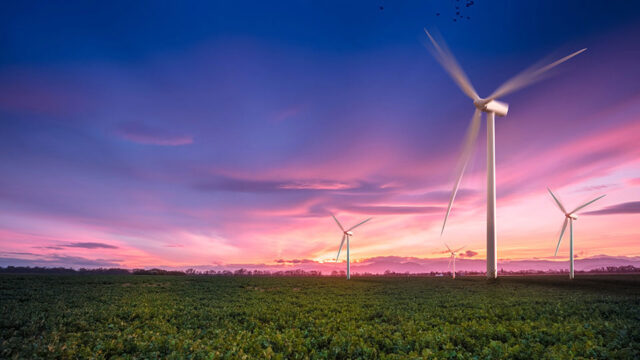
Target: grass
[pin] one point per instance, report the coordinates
(102, 316)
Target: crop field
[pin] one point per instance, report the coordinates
(110, 316)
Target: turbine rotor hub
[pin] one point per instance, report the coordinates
(480, 104)
(492, 106)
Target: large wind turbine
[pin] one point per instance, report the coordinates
(347, 234)
(491, 107)
(453, 258)
(569, 217)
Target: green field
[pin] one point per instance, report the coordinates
(102, 316)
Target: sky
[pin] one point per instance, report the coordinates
(213, 134)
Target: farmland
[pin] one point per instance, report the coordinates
(107, 316)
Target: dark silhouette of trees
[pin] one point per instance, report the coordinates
(627, 269)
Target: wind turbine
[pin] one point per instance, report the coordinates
(347, 234)
(491, 107)
(453, 258)
(569, 217)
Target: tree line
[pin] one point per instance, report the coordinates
(296, 272)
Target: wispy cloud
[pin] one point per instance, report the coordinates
(295, 261)
(59, 260)
(235, 184)
(469, 253)
(317, 185)
(142, 134)
(80, 245)
(590, 188)
(287, 113)
(392, 209)
(631, 207)
(90, 245)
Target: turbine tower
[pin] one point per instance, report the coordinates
(569, 217)
(347, 234)
(453, 259)
(491, 107)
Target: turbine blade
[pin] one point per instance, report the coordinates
(450, 258)
(339, 249)
(448, 248)
(585, 205)
(358, 224)
(449, 63)
(564, 227)
(528, 77)
(557, 202)
(467, 149)
(456, 250)
(338, 222)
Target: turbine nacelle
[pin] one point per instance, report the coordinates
(454, 252)
(569, 216)
(346, 235)
(497, 107)
(492, 107)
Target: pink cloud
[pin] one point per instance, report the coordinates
(317, 185)
(392, 209)
(631, 207)
(142, 134)
(579, 160)
(84, 245)
(288, 113)
(469, 253)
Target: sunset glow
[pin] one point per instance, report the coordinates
(230, 145)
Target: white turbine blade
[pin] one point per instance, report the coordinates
(339, 249)
(557, 202)
(338, 222)
(449, 63)
(564, 227)
(456, 250)
(585, 205)
(448, 248)
(450, 258)
(358, 224)
(467, 149)
(528, 77)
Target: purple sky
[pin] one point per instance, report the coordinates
(208, 134)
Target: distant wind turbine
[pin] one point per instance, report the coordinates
(453, 259)
(569, 217)
(347, 234)
(492, 107)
